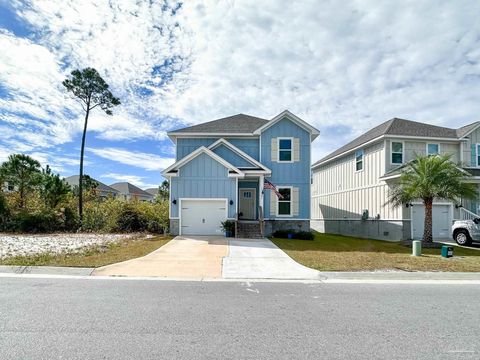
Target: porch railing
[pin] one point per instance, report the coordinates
(467, 214)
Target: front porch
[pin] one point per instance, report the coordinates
(249, 219)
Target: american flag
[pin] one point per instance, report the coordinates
(269, 186)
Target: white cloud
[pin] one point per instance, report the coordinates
(357, 65)
(133, 158)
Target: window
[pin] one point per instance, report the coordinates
(478, 154)
(284, 150)
(359, 160)
(285, 203)
(397, 152)
(433, 149)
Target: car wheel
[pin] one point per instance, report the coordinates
(462, 237)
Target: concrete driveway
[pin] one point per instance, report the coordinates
(197, 257)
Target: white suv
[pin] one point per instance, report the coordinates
(466, 231)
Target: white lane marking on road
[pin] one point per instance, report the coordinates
(256, 291)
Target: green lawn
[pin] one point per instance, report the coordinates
(95, 256)
(341, 253)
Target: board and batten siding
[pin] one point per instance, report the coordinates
(469, 148)
(186, 146)
(203, 177)
(295, 174)
(232, 157)
(340, 192)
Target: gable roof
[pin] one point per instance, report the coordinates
(152, 191)
(241, 153)
(73, 181)
(400, 127)
(236, 124)
(127, 188)
(172, 170)
(291, 117)
(467, 129)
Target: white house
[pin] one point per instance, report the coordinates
(350, 186)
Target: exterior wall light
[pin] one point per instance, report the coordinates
(174, 202)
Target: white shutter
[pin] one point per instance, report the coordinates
(274, 149)
(273, 203)
(296, 149)
(295, 200)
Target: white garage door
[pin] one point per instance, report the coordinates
(441, 221)
(202, 217)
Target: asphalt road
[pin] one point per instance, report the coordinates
(125, 319)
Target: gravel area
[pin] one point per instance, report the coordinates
(25, 245)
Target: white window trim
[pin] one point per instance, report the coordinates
(476, 154)
(391, 152)
(291, 149)
(291, 201)
(362, 161)
(432, 143)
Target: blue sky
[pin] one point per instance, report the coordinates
(343, 69)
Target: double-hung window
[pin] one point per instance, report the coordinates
(285, 202)
(433, 149)
(285, 147)
(397, 152)
(359, 160)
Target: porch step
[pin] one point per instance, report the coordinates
(249, 230)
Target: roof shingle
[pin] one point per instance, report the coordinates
(235, 124)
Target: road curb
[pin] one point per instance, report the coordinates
(46, 270)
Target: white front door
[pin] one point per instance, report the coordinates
(441, 221)
(202, 216)
(247, 203)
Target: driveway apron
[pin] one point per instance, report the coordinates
(214, 257)
(182, 257)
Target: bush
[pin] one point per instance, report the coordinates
(131, 219)
(41, 222)
(300, 235)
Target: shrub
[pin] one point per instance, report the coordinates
(300, 235)
(40, 222)
(131, 219)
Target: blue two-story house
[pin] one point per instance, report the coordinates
(224, 169)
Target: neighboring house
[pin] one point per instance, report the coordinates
(130, 192)
(221, 167)
(7, 187)
(152, 191)
(102, 190)
(354, 181)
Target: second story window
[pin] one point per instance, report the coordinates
(359, 160)
(478, 154)
(397, 153)
(285, 150)
(433, 149)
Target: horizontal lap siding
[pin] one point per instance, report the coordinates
(296, 174)
(203, 177)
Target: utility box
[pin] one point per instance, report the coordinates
(447, 251)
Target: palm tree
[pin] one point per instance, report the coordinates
(428, 178)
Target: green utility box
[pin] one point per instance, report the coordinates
(447, 251)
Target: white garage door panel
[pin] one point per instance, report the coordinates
(441, 221)
(202, 217)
